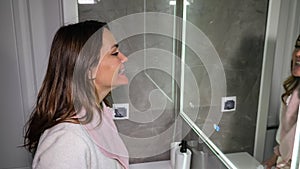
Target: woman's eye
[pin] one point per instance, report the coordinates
(115, 54)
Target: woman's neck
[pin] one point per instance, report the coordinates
(102, 93)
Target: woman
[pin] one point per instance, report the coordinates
(70, 126)
(286, 133)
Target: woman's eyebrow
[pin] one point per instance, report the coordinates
(115, 46)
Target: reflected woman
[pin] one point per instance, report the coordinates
(288, 116)
(71, 126)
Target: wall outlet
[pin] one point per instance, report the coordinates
(228, 104)
(121, 111)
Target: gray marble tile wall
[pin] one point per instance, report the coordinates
(236, 28)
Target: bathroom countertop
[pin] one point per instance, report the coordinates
(243, 160)
(152, 165)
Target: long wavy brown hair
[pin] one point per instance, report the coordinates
(289, 84)
(67, 86)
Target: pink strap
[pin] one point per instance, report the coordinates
(106, 136)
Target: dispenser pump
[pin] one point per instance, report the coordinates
(183, 145)
(183, 156)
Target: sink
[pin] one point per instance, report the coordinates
(152, 165)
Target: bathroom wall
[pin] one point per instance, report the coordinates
(26, 36)
(12, 110)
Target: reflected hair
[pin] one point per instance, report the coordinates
(289, 84)
(66, 87)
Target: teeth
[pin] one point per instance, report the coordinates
(298, 63)
(121, 71)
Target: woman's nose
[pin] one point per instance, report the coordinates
(122, 57)
(297, 53)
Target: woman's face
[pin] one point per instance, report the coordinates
(110, 71)
(296, 63)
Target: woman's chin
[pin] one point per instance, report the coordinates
(296, 72)
(121, 81)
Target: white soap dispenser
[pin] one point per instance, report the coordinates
(183, 156)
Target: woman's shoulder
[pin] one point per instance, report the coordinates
(64, 128)
(63, 133)
(62, 145)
